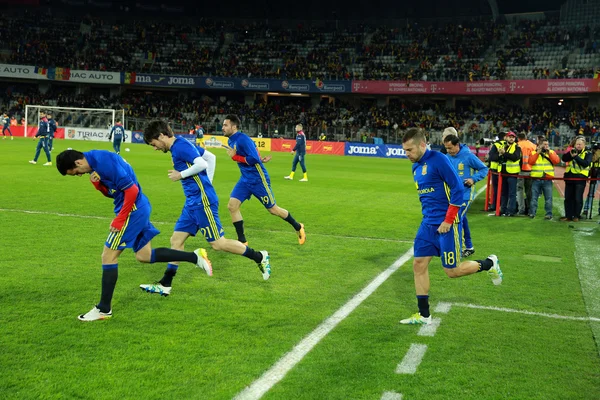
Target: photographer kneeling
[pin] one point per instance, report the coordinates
(579, 160)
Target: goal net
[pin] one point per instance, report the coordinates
(95, 119)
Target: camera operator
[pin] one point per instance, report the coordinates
(509, 165)
(493, 158)
(594, 172)
(542, 161)
(579, 160)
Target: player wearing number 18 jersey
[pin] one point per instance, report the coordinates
(441, 194)
(201, 209)
(254, 180)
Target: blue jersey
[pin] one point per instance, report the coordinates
(198, 190)
(199, 133)
(5, 121)
(118, 131)
(116, 175)
(438, 186)
(300, 146)
(52, 127)
(253, 170)
(44, 129)
(468, 166)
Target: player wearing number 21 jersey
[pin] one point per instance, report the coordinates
(194, 167)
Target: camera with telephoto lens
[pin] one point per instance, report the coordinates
(595, 146)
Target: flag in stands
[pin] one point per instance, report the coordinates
(40, 71)
(129, 78)
(59, 74)
(150, 56)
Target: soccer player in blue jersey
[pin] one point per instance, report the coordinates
(42, 134)
(201, 209)
(6, 127)
(51, 131)
(441, 194)
(300, 154)
(131, 228)
(119, 131)
(470, 170)
(254, 180)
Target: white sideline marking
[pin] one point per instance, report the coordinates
(412, 359)
(278, 371)
(391, 396)
(443, 307)
(430, 329)
(539, 314)
(173, 223)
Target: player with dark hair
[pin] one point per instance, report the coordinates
(300, 154)
(201, 209)
(119, 131)
(254, 180)
(42, 134)
(470, 170)
(441, 194)
(131, 228)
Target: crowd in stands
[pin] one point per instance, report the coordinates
(474, 120)
(455, 51)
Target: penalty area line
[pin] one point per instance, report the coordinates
(279, 370)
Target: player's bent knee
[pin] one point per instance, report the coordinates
(451, 272)
(233, 206)
(142, 257)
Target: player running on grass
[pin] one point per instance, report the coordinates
(441, 194)
(131, 228)
(254, 180)
(201, 210)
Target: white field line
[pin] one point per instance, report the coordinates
(526, 312)
(412, 359)
(173, 224)
(391, 396)
(443, 307)
(430, 329)
(278, 371)
(587, 254)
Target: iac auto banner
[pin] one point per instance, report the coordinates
(533, 86)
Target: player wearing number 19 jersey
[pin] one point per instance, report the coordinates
(201, 210)
(441, 194)
(254, 180)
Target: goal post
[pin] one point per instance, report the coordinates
(75, 117)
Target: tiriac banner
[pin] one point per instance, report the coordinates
(97, 135)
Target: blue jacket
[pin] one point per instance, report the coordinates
(44, 129)
(467, 165)
(300, 147)
(52, 126)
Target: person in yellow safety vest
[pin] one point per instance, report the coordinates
(322, 137)
(542, 161)
(594, 173)
(524, 184)
(493, 157)
(509, 165)
(580, 160)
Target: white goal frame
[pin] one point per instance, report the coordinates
(38, 108)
